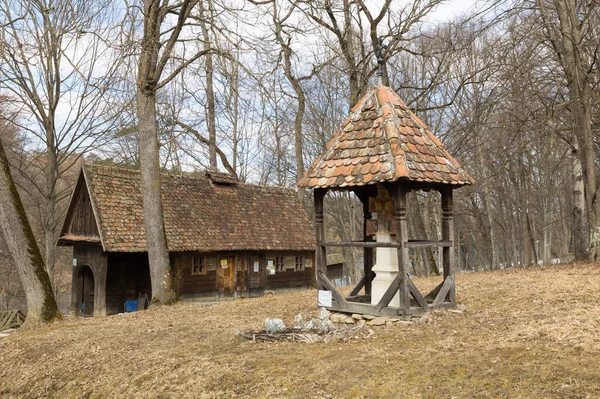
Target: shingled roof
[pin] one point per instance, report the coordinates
(382, 140)
(200, 214)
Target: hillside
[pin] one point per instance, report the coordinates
(526, 334)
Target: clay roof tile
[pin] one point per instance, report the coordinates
(404, 148)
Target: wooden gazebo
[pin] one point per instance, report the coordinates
(381, 153)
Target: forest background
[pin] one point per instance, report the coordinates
(257, 88)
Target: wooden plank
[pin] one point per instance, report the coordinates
(11, 318)
(417, 294)
(321, 258)
(358, 286)
(388, 311)
(329, 286)
(441, 296)
(448, 235)
(428, 243)
(433, 293)
(4, 317)
(399, 194)
(358, 244)
(390, 292)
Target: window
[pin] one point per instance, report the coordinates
(279, 265)
(198, 265)
(299, 263)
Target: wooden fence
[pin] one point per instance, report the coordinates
(11, 318)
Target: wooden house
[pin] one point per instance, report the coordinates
(225, 238)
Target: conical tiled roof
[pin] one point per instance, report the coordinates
(382, 140)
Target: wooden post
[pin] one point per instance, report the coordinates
(319, 195)
(448, 235)
(399, 193)
(76, 299)
(367, 252)
(100, 272)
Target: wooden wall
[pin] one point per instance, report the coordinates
(247, 282)
(83, 223)
(291, 278)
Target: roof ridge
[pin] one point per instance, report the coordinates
(184, 175)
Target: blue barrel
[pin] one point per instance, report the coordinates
(131, 306)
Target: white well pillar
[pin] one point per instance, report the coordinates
(386, 268)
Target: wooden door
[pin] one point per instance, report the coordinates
(226, 274)
(255, 270)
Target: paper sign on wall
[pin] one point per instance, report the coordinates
(256, 266)
(325, 299)
(224, 263)
(270, 267)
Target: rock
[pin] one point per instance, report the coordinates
(403, 322)
(377, 321)
(361, 323)
(389, 323)
(421, 320)
(368, 317)
(455, 311)
(269, 292)
(349, 320)
(337, 318)
(357, 316)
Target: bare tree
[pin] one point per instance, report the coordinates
(57, 68)
(16, 232)
(159, 54)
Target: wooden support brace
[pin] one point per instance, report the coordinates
(390, 292)
(417, 294)
(444, 291)
(329, 286)
(358, 286)
(431, 296)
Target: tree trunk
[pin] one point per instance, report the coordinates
(158, 253)
(580, 232)
(50, 217)
(22, 246)
(580, 99)
(210, 94)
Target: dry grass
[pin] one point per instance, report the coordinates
(526, 334)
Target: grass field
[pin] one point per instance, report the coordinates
(526, 334)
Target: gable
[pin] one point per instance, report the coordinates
(80, 222)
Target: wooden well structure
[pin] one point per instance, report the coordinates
(381, 153)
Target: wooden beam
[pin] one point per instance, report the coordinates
(444, 291)
(390, 292)
(359, 244)
(358, 286)
(448, 235)
(399, 193)
(417, 294)
(427, 243)
(329, 286)
(321, 258)
(367, 251)
(433, 293)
